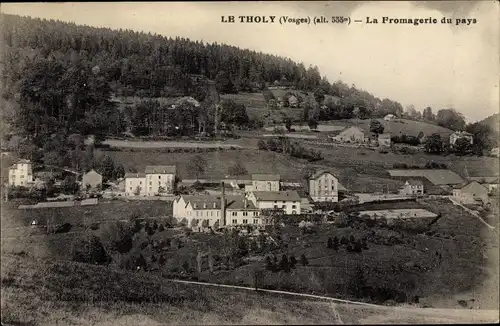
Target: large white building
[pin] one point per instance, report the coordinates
(289, 201)
(226, 210)
(157, 180)
(323, 186)
(21, 174)
(264, 182)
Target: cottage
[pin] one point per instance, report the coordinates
(288, 201)
(264, 182)
(412, 187)
(323, 186)
(293, 102)
(21, 174)
(471, 193)
(389, 117)
(495, 152)
(460, 134)
(384, 140)
(91, 179)
(351, 135)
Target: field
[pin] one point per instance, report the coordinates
(166, 144)
(48, 292)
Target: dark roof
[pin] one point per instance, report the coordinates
(266, 177)
(435, 176)
(415, 182)
(159, 169)
(135, 175)
(214, 202)
(276, 195)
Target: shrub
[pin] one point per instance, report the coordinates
(117, 237)
(303, 260)
(89, 249)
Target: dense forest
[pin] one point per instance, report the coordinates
(61, 79)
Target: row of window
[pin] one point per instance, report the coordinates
(284, 206)
(284, 202)
(245, 221)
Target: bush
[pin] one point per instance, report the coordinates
(89, 249)
(118, 237)
(303, 260)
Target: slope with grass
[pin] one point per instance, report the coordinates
(47, 292)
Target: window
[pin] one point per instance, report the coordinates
(294, 212)
(245, 213)
(235, 221)
(275, 201)
(245, 221)
(275, 206)
(159, 177)
(140, 182)
(283, 206)
(150, 188)
(294, 206)
(235, 213)
(284, 201)
(150, 183)
(255, 221)
(255, 213)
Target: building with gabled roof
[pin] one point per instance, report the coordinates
(91, 179)
(288, 201)
(471, 193)
(412, 187)
(436, 177)
(264, 182)
(351, 134)
(323, 185)
(157, 180)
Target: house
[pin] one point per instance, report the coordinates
(460, 134)
(264, 182)
(389, 117)
(289, 201)
(157, 180)
(495, 152)
(21, 174)
(91, 179)
(384, 140)
(351, 135)
(293, 102)
(135, 184)
(471, 193)
(323, 186)
(412, 187)
(160, 179)
(226, 210)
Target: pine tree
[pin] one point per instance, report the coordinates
(293, 261)
(284, 264)
(329, 243)
(303, 260)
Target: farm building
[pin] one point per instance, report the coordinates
(437, 177)
(384, 140)
(323, 186)
(21, 173)
(460, 134)
(351, 135)
(264, 182)
(412, 187)
(91, 179)
(135, 184)
(471, 193)
(293, 102)
(289, 201)
(389, 117)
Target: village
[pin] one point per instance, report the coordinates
(236, 200)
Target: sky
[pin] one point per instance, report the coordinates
(437, 65)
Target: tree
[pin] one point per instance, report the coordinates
(462, 146)
(69, 185)
(161, 228)
(450, 118)
(357, 282)
(344, 241)
(376, 127)
(329, 243)
(224, 84)
(269, 264)
(197, 166)
(234, 113)
(434, 144)
(162, 260)
(117, 237)
(427, 115)
(313, 124)
(237, 169)
(205, 224)
(89, 249)
(194, 223)
(293, 261)
(284, 265)
(288, 123)
(303, 260)
(335, 243)
(119, 172)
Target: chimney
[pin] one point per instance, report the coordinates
(223, 206)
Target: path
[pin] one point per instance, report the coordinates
(472, 212)
(280, 292)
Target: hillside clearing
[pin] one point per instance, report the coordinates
(31, 288)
